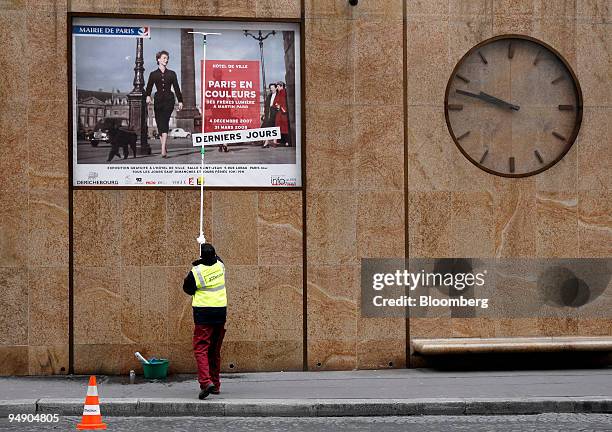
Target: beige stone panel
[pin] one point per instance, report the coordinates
(470, 7)
(515, 217)
(130, 292)
(48, 360)
(281, 355)
(380, 224)
(333, 302)
(235, 226)
(13, 162)
(563, 176)
(225, 8)
(467, 177)
(279, 228)
(13, 5)
(14, 318)
(430, 328)
(381, 354)
(154, 294)
(14, 220)
(558, 8)
(180, 312)
(182, 359)
(240, 356)
(427, 7)
(330, 153)
(13, 360)
(140, 6)
(329, 354)
(427, 63)
(329, 61)
(48, 306)
(332, 232)
(48, 220)
(342, 9)
(465, 32)
(97, 306)
(594, 156)
(512, 327)
(595, 327)
(46, 55)
(281, 303)
(244, 303)
(97, 228)
(143, 227)
(104, 6)
(379, 148)
(429, 225)
(381, 341)
(595, 224)
(560, 33)
(430, 150)
(593, 69)
(183, 224)
(550, 326)
(472, 327)
(512, 24)
(594, 10)
(114, 359)
(378, 62)
(557, 224)
(13, 42)
(513, 7)
(473, 224)
(47, 131)
(53, 5)
(278, 9)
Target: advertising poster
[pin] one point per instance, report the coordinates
(144, 89)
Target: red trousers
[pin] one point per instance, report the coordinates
(207, 340)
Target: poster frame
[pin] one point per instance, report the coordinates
(69, 90)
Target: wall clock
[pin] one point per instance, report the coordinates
(513, 106)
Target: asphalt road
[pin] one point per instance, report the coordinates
(533, 423)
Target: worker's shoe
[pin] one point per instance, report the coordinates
(215, 390)
(206, 391)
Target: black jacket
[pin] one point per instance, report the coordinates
(203, 315)
(164, 83)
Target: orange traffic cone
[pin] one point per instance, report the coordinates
(92, 419)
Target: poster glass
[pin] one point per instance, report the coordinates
(138, 99)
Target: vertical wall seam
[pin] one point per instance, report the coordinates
(70, 195)
(406, 195)
(304, 182)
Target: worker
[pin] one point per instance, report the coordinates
(206, 284)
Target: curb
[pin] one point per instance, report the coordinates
(313, 407)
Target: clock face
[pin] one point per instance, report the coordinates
(513, 106)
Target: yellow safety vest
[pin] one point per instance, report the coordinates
(210, 283)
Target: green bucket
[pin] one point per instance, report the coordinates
(157, 368)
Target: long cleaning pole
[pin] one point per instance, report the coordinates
(201, 239)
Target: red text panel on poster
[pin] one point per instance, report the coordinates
(232, 95)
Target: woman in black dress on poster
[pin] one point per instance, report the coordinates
(164, 80)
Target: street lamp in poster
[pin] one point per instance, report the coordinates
(138, 86)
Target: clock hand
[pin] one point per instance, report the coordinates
(490, 99)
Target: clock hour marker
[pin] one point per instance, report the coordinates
(455, 107)
(537, 58)
(558, 135)
(558, 79)
(484, 156)
(539, 156)
(566, 107)
(510, 51)
(484, 60)
(463, 136)
(462, 78)
(511, 162)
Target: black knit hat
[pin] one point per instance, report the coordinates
(208, 254)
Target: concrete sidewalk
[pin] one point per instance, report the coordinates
(354, 393)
